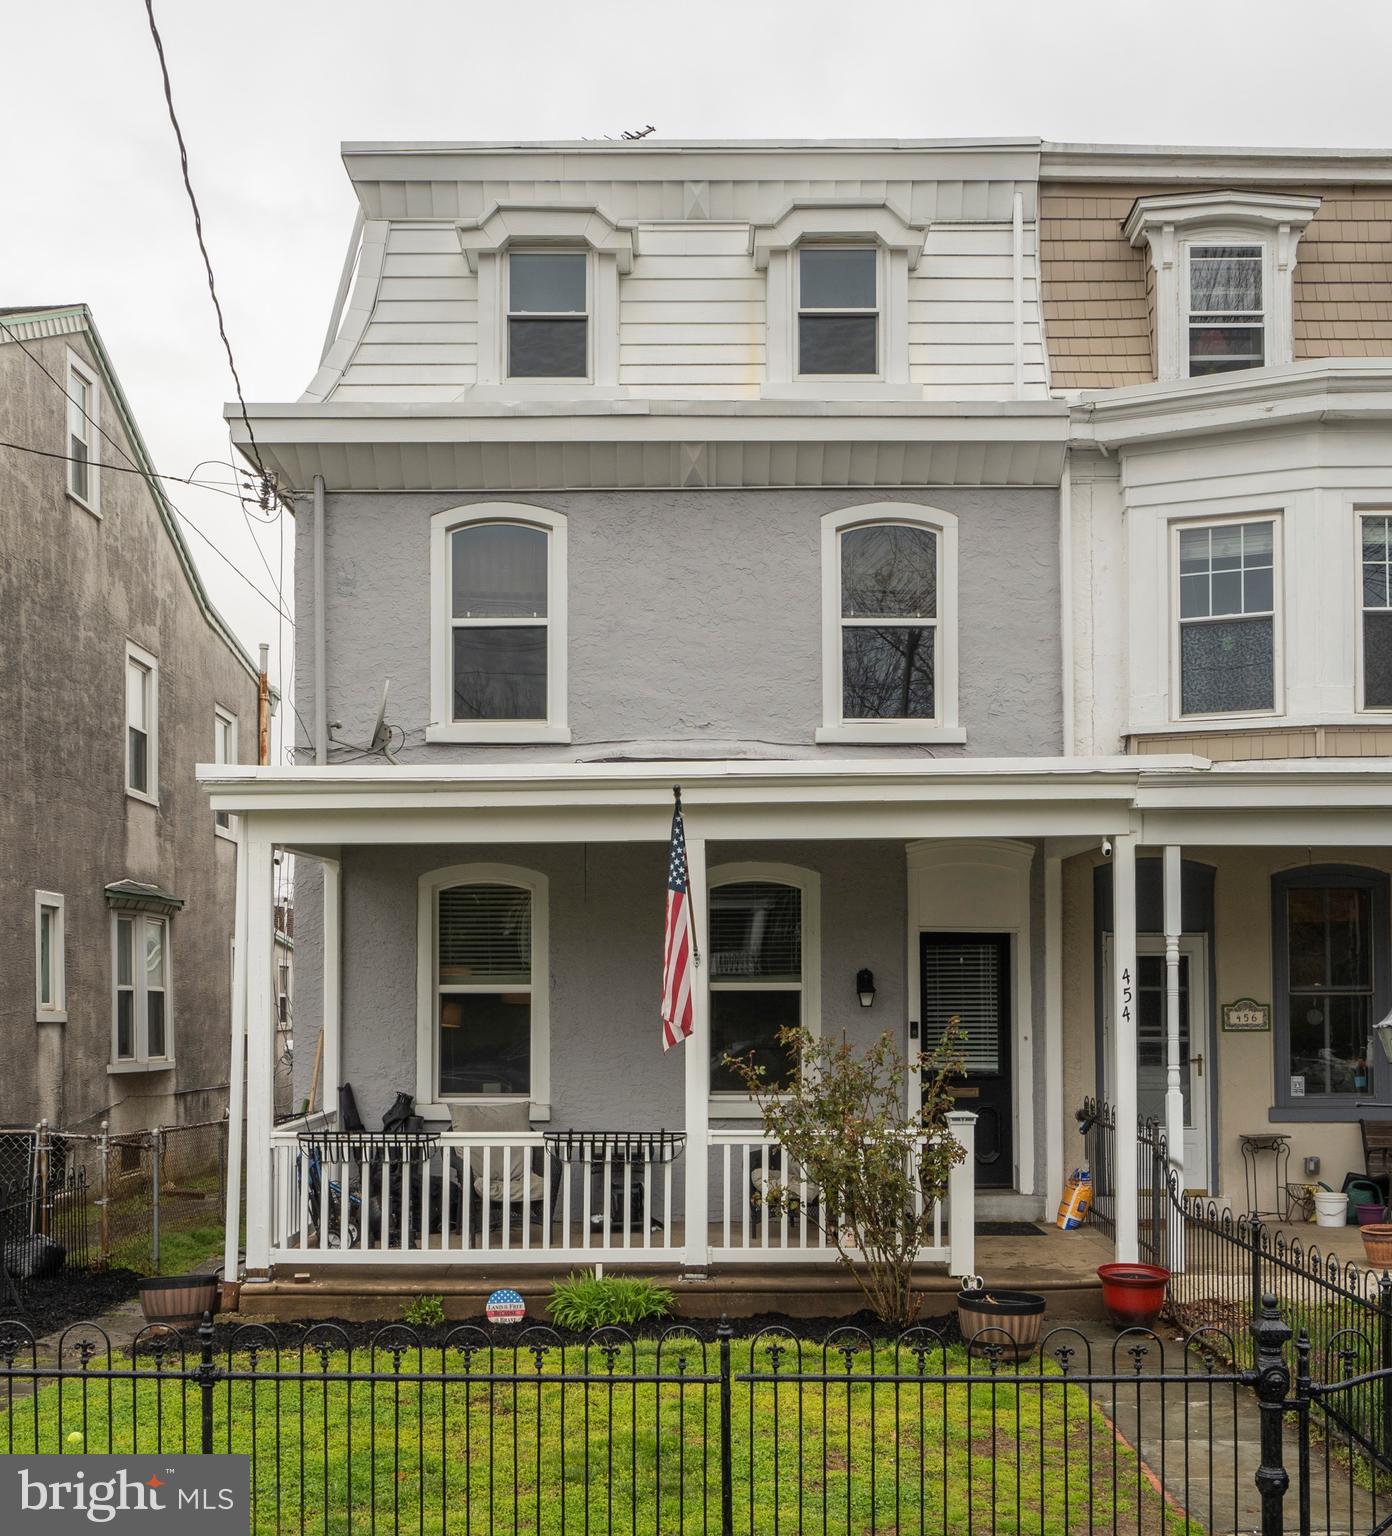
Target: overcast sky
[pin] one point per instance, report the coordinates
(267, 89)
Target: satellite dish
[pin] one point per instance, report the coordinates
(381, 736)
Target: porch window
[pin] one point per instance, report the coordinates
(1330, 984)
(1227, 618)
(484, 989)
(498, 657)
(763, 963)
(1376, 530)
(890, 649)
(140, 1003)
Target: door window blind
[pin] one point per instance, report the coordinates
(965, 977)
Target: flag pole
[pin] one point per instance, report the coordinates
(690, 905)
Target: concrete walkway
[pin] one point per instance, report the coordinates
(1203, 1446)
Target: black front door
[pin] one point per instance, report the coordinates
(968, 975)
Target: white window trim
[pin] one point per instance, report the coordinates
(485, 243)
(1360, 511)
(225, 717)
(429, 1100)
(881, 263)
(555, 728)
(140, 1023)
(145, 659)
(1169, 225)
(739, 1106)
(507, 314)
(1274, 516)
(55, 1012)
(944, 729)
(92, 501)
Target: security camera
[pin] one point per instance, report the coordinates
(1106, 847)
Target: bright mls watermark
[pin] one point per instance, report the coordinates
(62, 1494)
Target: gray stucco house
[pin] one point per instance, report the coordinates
(733, 467)
(119, 677)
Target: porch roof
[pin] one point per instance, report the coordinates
(1177, 798)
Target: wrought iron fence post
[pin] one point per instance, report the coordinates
(727, 1453)
(1157, 1185)
(1302, 1422)
(207, 1375)
(1384, 1385)
(1255, 1228)
(1271, 1379)
(155, 1200)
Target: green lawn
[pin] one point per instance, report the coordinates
(432, 1457)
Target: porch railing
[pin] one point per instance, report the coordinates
(474, 1197)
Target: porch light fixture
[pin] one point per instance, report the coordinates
(865, 990)
(1382, 1033)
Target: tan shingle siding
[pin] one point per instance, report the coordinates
(1238, 746)
(1099, 300)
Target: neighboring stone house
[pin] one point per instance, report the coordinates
(735, 467)
(119, 677)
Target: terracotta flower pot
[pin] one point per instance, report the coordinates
(1010, 1319)
(178, 1299)
(1133, 1294)
(1377, 1243)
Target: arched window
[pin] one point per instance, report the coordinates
(483, 931)
(764, 945)
(498, 643)
(889, 645)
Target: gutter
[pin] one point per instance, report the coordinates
(321, 703)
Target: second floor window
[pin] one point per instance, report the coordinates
(224, 751)
(838, 310)
(1227, 321)
(548, 315)
(142, 707)
(1227, 618)
(499, 618)
(82, 435)
(1376, 530)
(889, 621)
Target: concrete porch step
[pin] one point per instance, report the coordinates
(1008, 1205)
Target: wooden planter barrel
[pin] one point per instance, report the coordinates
(178, 1298)
(1010, 1320)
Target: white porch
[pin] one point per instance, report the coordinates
(446, 1209)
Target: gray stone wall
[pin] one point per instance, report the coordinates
(695, 619)
(73, 590)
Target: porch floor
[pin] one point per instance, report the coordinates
(1062, 1265)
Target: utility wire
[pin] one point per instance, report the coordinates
(198, 231)
(121, 469)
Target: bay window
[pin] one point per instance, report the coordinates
(1375, 530)
(1227, 617)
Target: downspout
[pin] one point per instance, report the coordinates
(263, 708)
(1069, 724)
(321, 703)
(1017, 263)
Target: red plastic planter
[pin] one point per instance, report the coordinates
(1133, 1293)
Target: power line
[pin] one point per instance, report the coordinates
(198, 231)
(121, 469)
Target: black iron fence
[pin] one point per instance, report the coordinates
(675, 1434)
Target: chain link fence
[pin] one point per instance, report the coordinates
(151, 1200)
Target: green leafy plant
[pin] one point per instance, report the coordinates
(869, 1170)
(586, 1300)
(424, 1311)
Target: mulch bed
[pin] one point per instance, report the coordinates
(71, 1296)
(360, 1335)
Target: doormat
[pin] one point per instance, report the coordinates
(1008, 1229)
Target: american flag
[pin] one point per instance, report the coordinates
(679, 941)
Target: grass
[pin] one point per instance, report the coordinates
(181, 1251)
(426, 1457)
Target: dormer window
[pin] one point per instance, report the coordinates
(838, 310)
(548, 315)
(1223, 270)
(1227, 321)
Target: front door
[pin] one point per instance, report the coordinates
(967, 975)
(1152, 1042)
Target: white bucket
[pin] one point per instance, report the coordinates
(1331, 1208)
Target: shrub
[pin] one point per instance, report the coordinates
(842, 1121)
(586, 1301)
(424, 1311)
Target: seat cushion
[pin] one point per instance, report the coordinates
(525, 1186)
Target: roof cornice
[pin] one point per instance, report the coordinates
(1200, 165)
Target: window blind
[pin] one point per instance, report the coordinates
(485, 934)
(756, 932)
(965, 977)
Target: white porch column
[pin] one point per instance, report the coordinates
(1174, 1091)
(961, 1198)
(1124, 1016)
(1053, 1034)
(696, 1061)
(236, 1067)
(331, 1023)
(260, 1032)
